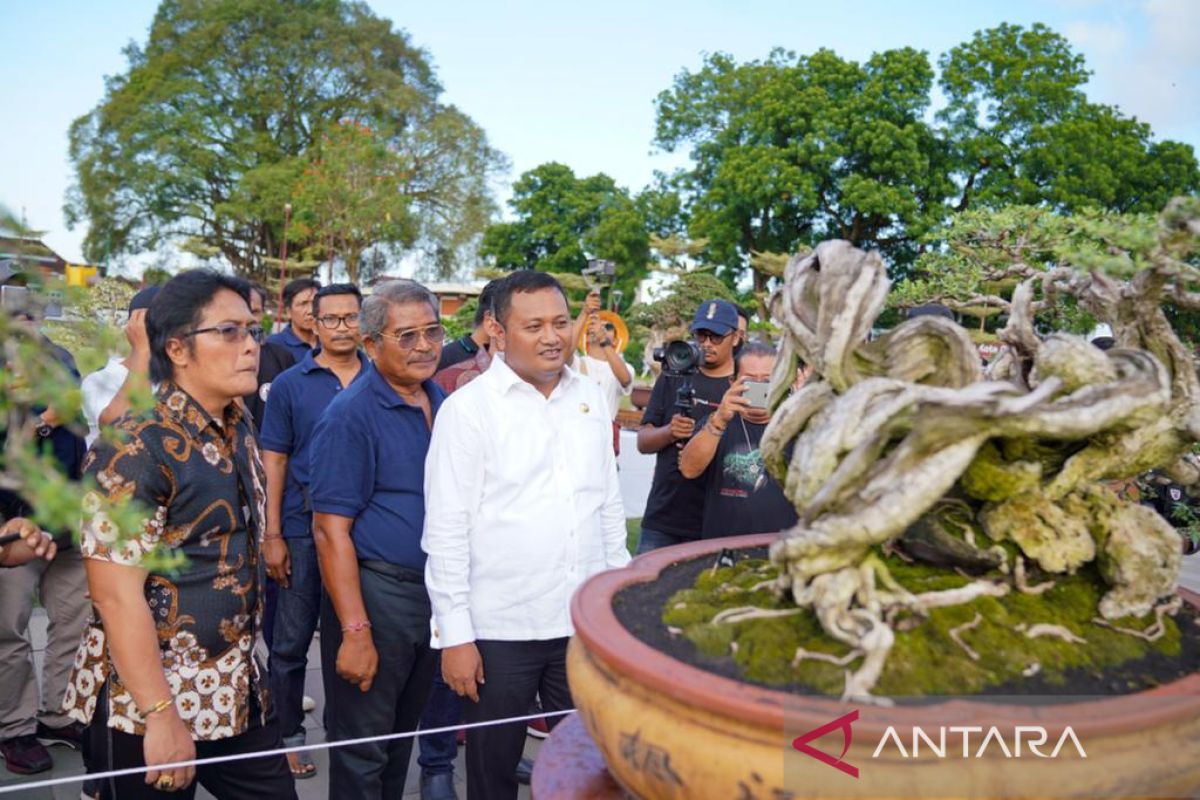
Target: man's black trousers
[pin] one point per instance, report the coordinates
(514, 674)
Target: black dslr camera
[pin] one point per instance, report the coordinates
(681, 359)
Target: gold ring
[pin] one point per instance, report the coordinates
(165, 783)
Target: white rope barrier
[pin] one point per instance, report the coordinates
(120, 773)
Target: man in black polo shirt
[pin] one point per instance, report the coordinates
(675, 508)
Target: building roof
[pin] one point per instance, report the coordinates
(31, 252)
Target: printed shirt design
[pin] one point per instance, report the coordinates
(205, 484)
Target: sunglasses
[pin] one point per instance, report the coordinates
(434, 334)
(709, 336)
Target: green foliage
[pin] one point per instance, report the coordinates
(984, 253)
(674, 310)
(563, 220)
(32, 378)
(212, 123)
(924, 660)
(792, 150)
(1022, 131)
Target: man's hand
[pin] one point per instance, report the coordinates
(592, 304)
(462, 670)
(682, 427)
(732, 402)
(32, 542)
(167, 741)
(135, 332)
(357, 660)
(278, 559)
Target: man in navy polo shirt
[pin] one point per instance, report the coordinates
(367, 485)
(298, 398)
(300, 335)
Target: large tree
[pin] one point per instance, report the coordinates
(211, 125)
(1023, 132)
(792, 150)
(563, 220)
(795, 149)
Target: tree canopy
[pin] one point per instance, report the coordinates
(212, 124)
(792, 150)
(563, 220)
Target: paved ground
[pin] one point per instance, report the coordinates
(68, 763)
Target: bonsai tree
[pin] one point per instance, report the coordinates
(908, 441)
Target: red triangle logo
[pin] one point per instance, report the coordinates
(843, 723)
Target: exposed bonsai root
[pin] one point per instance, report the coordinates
(1021, 583)
(956, 633)
(743, 613)
(828, 658)
(1155, 631)
(963, 594)
(1046, 629)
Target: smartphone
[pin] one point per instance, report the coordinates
(756, 393)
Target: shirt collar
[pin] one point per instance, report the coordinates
(505, 379)
(181, 407)
(309, 362)
(390, 398)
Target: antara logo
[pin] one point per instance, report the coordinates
(800, 743)
(1032, 737)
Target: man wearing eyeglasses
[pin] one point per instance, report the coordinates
(298, 398)
(166, 673)
(367, 469)
(675, 508)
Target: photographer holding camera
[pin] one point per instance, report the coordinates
(740, 495)
(694, 379)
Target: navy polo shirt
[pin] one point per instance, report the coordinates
(368, 463)
(295, 345)
(299, 395)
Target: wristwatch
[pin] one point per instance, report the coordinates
(44, 431)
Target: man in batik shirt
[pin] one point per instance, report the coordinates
(165, 673)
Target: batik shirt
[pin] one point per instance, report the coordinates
(202, 484)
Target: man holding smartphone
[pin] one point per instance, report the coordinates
(740, 495)
(675, 508)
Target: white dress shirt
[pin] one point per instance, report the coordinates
(600, 372)
(522, 505)
(99, 388)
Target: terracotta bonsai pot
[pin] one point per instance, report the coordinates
(640, 396)
(667, 729)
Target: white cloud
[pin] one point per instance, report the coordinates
(1148, 64)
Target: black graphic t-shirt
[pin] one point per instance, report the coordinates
(676, 504)
(740, 495)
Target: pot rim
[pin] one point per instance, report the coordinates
(598, 628)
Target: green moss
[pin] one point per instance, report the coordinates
(924, 660)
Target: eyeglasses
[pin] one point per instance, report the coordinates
(434, 334)
(709, 336)
(232, 334)
(333, 321)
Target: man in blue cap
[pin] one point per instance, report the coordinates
(675, 508)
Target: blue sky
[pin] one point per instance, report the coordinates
(575, 82)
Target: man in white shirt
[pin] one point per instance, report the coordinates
(522, 505)
(106, 391)
(604, 365)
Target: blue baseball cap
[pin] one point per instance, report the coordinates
(718, 316)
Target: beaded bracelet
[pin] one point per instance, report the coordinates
(356, 627)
